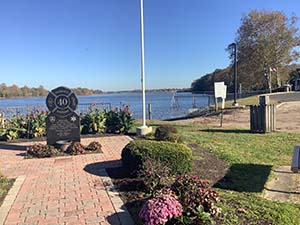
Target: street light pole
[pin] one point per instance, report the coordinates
(233, 46)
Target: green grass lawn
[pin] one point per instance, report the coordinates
(253, 100)
(256, 208)
(251, 158)
(241, 146)
(5, 185)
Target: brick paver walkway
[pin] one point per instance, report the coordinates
(62, 190)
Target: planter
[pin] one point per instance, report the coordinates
(63, 145)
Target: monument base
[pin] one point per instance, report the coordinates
(143, 130)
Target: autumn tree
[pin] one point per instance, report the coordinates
(26, 92)
(206, 82)
(15, 91)
(266, 40)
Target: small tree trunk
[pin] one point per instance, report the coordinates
(278, 79)
(270, 82)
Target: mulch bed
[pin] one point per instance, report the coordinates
(208, 166)
(130, 189)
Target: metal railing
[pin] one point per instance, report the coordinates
(209, 95)
(83, 108)
(10, 111)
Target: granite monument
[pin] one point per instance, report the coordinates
(62, 123)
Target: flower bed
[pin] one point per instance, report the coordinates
(75, 148)
(170, 195)
(95, 121)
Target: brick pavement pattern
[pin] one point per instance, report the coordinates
(62, 190)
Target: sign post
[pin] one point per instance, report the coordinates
(220, 92)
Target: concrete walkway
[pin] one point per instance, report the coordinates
(62, 190)
(284, 186)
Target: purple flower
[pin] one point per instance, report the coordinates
(160, 209)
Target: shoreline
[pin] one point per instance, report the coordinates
(161, 103)
(162, 90)
(109, 92)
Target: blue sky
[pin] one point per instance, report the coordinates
(96, 43)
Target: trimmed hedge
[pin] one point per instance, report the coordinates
(167, 133)
(177, 157)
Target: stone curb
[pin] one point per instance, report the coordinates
(121, 210)
(280, 104)
(10, 198)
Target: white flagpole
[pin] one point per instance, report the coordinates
(143, 64)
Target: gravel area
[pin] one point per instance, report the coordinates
(288, 118)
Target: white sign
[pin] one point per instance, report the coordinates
(220, 90)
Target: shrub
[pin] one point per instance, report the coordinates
(14, 128)
(36, 124)
(113, 124)
(126, 119)
(75, 148)
(154, 175)
(160, 209)
(199, 217)
(167, 133)
(8, 134)
(94, 146)
(94, 121)
(187, 182)
(119, 121)
(31, 126)
(42, 151)
(197, 200)
(177, 157)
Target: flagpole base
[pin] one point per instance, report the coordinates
(143, 131)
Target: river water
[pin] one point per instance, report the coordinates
(164, 105)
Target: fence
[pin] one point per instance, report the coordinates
(209, 95)
(194, 100)
(84, 107)
(230, 95)
(9, 112)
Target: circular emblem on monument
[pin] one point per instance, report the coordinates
(62, 101)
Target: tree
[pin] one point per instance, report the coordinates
(26, 91)
(206, 82)
(293, 71)
(15, 90)
(266, 40)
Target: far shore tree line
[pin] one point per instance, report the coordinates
(268, 50)
(15, 91)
